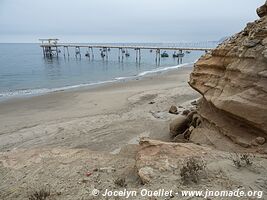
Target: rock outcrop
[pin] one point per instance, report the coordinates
(233, 82)
(157, 159)
(159, 165)
(262, 11)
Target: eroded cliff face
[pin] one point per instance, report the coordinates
(233, 81)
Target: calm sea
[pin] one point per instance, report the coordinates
(24, 70)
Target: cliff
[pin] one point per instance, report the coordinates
(233, 82)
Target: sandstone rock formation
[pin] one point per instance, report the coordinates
(233, 81)
(261, 11)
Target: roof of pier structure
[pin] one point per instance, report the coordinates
(49, 40)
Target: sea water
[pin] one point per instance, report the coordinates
(24, 70)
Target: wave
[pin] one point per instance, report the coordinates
(162, 69)
(154, 71)
(33, 92)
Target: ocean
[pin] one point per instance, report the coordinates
(24, 71)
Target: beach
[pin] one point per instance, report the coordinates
(85, 142)
(133, 100)
(48, 139)
(112, 139)
(75, 143)
(91, 118)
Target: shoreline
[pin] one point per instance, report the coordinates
(27, 93)
(93, 117)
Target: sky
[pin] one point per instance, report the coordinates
(124, 20)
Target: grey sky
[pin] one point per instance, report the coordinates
(124, 20)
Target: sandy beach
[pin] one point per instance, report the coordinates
(112, 137)
(43, 133)
(91, 118)
(71, 143)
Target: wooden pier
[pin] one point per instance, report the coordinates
(51, 48)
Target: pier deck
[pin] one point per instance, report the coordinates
(127, 47)
(51, 48)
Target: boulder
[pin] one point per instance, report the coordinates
(178, 126)
(173, 110)
(186, 112)
(260, 140)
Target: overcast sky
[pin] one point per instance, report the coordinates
(124, 20)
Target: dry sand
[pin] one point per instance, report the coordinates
(56, 138)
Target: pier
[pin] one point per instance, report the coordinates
(51, 48)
